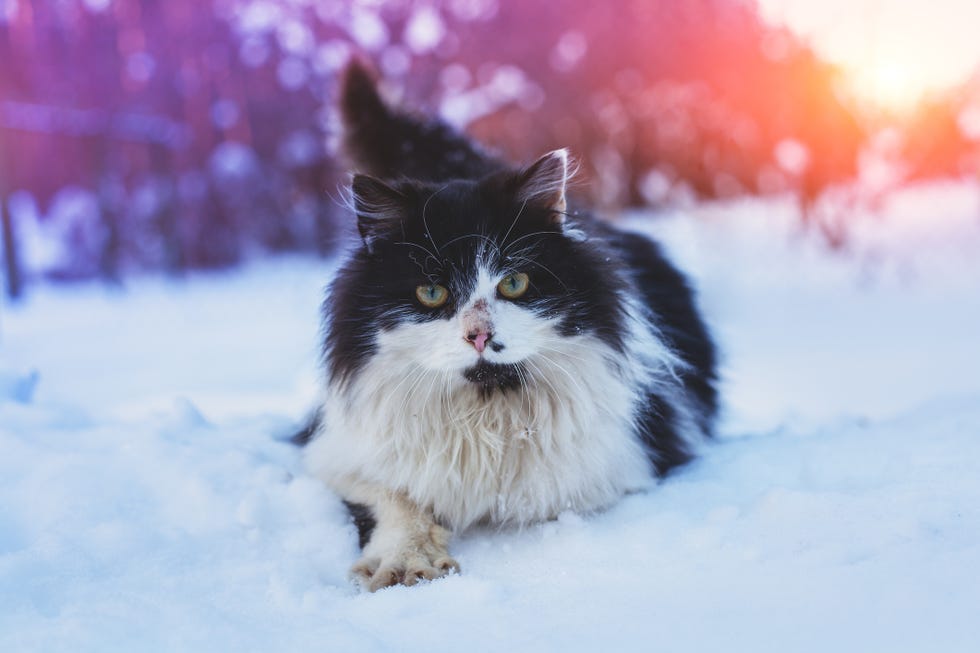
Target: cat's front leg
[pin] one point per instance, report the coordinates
(406, 545)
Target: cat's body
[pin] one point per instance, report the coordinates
(488, 359)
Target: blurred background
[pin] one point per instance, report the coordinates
(169, 135)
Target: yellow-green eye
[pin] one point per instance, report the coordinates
(432, 295)
(513, 285)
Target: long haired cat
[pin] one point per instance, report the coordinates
(492, 355)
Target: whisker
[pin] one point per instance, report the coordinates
(543, 267)
(526, 388)
(536, 233)
(428, 393)
(565, 353)
(447, 391)
(425, 223)
(558, 398)
(463, 237)
(424, 249)
(415, 368)
(419, 377)
(570, 376)
(512, 224)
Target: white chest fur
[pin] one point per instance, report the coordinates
(564, 440)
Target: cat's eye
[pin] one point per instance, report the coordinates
(513, 285)
(432, 295)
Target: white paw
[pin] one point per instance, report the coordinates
(414, 559)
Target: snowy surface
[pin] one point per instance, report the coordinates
(146, 504)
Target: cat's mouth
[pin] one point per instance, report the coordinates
(493, 377)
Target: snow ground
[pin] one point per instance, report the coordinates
(146, 504)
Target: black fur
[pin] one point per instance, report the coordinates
(493, 377)
(576, 282)
(379, 140)
(363, 520)
(672, 300)
(441, 199)
(302, 437)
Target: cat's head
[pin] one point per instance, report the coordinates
(479, 280)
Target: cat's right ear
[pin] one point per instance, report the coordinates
(379, 207)
(545, 182)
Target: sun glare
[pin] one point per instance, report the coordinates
(887, 85)
(894, 51)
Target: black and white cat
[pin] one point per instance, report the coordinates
(492, 356)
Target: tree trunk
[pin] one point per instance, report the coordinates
(11, 265)
(165, 172)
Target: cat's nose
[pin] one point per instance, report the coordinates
(479, 339)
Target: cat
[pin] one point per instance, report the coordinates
(493, 355)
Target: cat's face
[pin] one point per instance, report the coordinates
(481, 281)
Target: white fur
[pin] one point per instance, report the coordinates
(409, 423)
(406, 545)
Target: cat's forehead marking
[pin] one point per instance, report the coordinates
(486, 285)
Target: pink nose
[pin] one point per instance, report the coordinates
(479, 339)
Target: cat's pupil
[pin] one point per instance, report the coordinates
(432, 295)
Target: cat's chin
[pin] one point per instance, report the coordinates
(494, 377)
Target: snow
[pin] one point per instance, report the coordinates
(367, 29)
(425, 30)
(292, 73)
(331, 56)
(296, 38)
(140, 66)
(503, 85)
(225, 113)
(231, 160)
(395, 61)
(17, 385)
(569, 51)
(148, 502)
(792, 156)
(258, 16)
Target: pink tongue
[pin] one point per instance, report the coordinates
(481, 342)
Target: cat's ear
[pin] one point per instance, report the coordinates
(378, 206)
(545, 183)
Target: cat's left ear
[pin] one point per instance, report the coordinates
(545, 183)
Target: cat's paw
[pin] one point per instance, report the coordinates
(425, 558)
(406, 569)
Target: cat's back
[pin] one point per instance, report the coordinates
(671, 300)
(391, 143)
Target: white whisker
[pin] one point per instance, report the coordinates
(543, 267)
(535, 233)
(512, 224)
(425, 208)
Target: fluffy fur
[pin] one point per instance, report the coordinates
(489, 409)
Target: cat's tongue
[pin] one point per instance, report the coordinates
(481, 342)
